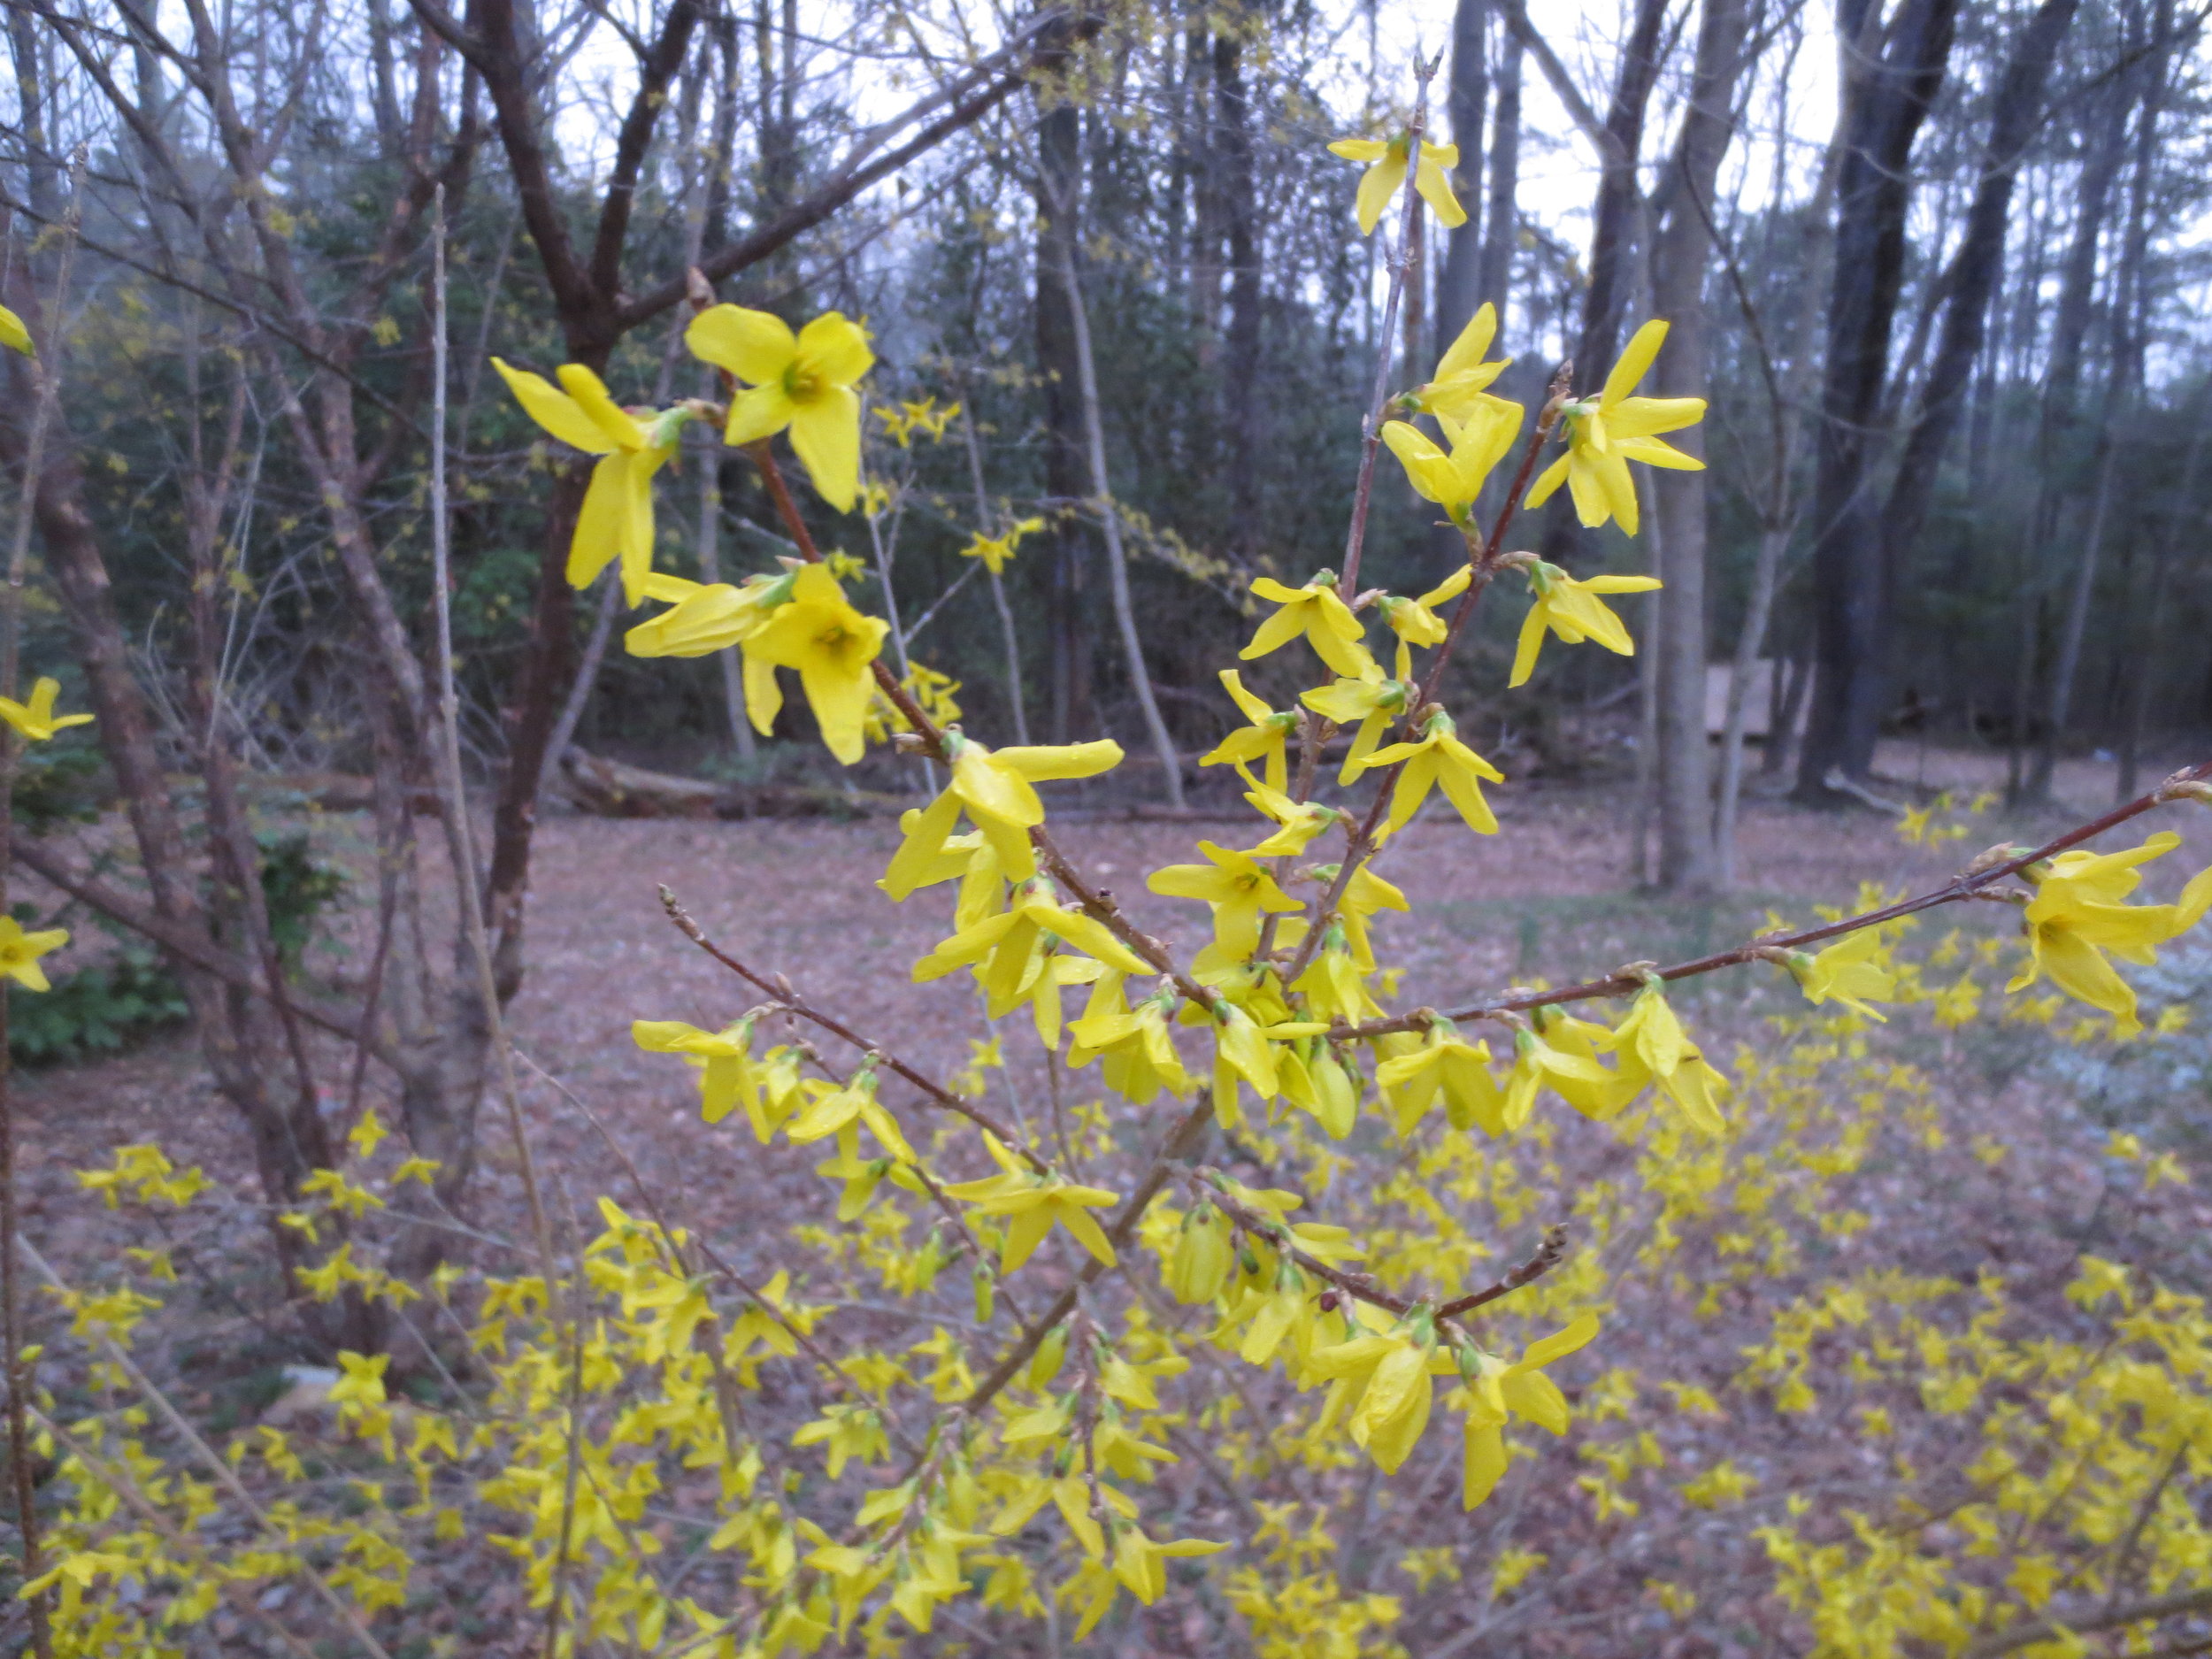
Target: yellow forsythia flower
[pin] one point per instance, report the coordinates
(1462, 378)
(19, 952)
(1438, 759)
(995, 551)
(1605, 435)
(2079, 913)
(36, 719)
(1266, 739)
(703, 618)
(617, 518)
(816, 631)
(1452, 478)
(1572, 610)
(802, 382)
(1033, 1204)
(1316, 611)
(1848, 972)
(1385, 161)
(1498, 1392)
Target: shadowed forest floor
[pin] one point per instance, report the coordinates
(1549, 899)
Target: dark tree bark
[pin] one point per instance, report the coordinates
(1681, 258)
(1243, 413)
(1459, 288)
(288, 1134)
(2128, 335)
(41, 168)
(1619, 139)
(1888, 94)
(1500, 227)
(1613, 221)
(1970, 281)
(2056, 418)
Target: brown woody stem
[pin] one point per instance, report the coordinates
(1973, 884)
(787, 998)
(787, 510)
(1401, 272)
(1362, 843)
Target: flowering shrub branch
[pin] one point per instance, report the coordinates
(1009, 1463)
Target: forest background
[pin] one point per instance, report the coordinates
(1937, 265)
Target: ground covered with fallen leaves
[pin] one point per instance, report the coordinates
(1549, 899)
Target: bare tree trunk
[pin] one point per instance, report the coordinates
(1788, 390)
(2143, 654)
(1888, 93)
(288, 1144)
(1202, 273)
(2129, 329)
(1109, 520)
(1970, 282)
(1681, 256)
(1501, 218)
(2028, 775)
(1613, 234)
(41, 169)
(383, 84)
(1059, 141)
(1244, 411)
(586, 680)
(1459, 290)
(1617, 211)
(985, 521)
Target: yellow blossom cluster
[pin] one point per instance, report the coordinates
(1025, 1352)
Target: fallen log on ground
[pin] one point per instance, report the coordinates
(613, 788)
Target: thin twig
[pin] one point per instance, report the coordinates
(224, 1477)
(453, 799)
(116, 1478)
(1484, 565)
(1386, 353)
(1970, 883)
(1213, 1187)
(46, 380)
(786, 997)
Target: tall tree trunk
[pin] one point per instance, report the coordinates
(1459, 280)
(1109, 516)
(290, 1139)
(41, 168)
(1201, 274)
(2028, 777)
(1970, 281)
(1888, 94)
(1059, 145)
(1788, 387)
(1614, 220)
(1680, 259)
(1501, 218)
(383, 82)
(1244, 411)
(2129, 329)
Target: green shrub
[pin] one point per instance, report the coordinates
(103, 1009)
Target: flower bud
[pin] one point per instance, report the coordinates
(1199, 1266)
(980, 1279)
(1044, 1364)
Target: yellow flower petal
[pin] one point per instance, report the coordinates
(554, 410)
(755, 346)
(826, 435)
